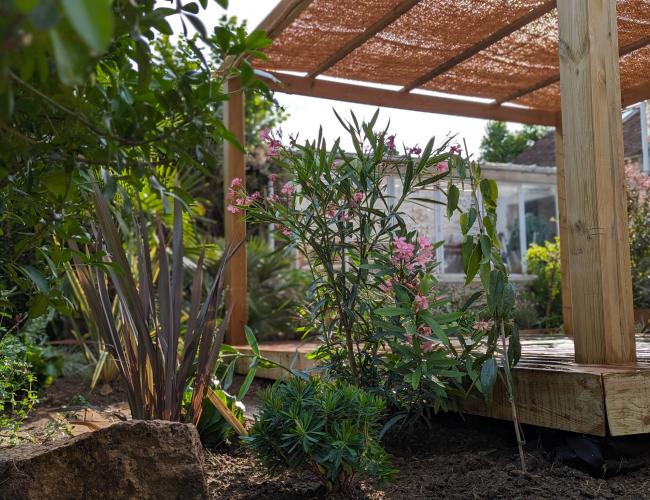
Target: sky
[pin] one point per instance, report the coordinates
(307, 114)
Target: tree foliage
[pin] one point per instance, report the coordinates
(501, 145)
(95, 89)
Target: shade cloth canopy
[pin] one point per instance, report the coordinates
(504, 51)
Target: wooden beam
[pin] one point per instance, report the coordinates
(570, 401)
(416, 102)
(235, 227)
(564, 230)
(362, 38)
(599, 253)
(506, 30)
(282, 16)
(643, 42)
(636, 94)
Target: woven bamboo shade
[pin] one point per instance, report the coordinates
(501, 50)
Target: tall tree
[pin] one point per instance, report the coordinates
(501, 145)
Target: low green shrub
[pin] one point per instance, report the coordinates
(331, 427)
(17, 387)
(546, 289)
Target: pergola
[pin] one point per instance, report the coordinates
(571, 64)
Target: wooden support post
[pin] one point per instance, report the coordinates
(599, 258)
(235, 227)
(564, 230)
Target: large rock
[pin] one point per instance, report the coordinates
(135, 459)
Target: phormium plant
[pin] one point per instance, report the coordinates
(144, 336)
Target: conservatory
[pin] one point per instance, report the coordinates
(570, 64)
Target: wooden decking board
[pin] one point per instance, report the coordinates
(551, 390)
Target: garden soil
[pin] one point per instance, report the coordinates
(453, 458)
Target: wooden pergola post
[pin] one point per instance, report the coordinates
(599, 259)
(235, 227)
(564, 231)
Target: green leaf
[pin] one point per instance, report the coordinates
(452, 199)
(252, 341)
(37, 278)
(70, 62)
(92, 20)
(488, 375)
(473, 264)
(38, 305)
(393, 311)
(26, 5)
(248, 380)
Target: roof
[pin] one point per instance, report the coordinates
(503, 52)
(542, 153)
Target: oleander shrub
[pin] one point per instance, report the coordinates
(328, 426)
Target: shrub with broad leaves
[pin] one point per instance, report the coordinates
(375, 302)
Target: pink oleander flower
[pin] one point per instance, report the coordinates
(421, 303)
(425, 252)
(237, 182)
(233, 210)
(273, 177)
(409, 339)
(358, 197)
(427, 346)
(425, 330)
(330, 210)
(336, 164)
(272, 198)
(287, 189)
(286, 232)
(483, 325)
(414, 284)
(390, 142)
(253, 197)
(443, 166)
(403, 249)
(265, 135)
(455, 149)
(273, 147)
(415, 150)
(386, 286)
(344, 216)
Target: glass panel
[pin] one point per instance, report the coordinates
(541, 216)
(453, 236)
(508, 225)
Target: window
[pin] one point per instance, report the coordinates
(526, 214)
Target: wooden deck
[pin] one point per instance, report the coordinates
(551, 390)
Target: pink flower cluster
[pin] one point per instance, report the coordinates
(427, 345)
(415, 150)
(390, 142)
(483, 325)
(238, 198)
(455, 149)
(272, 145)
(287, 190)
(443, 166)
(404, 252)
